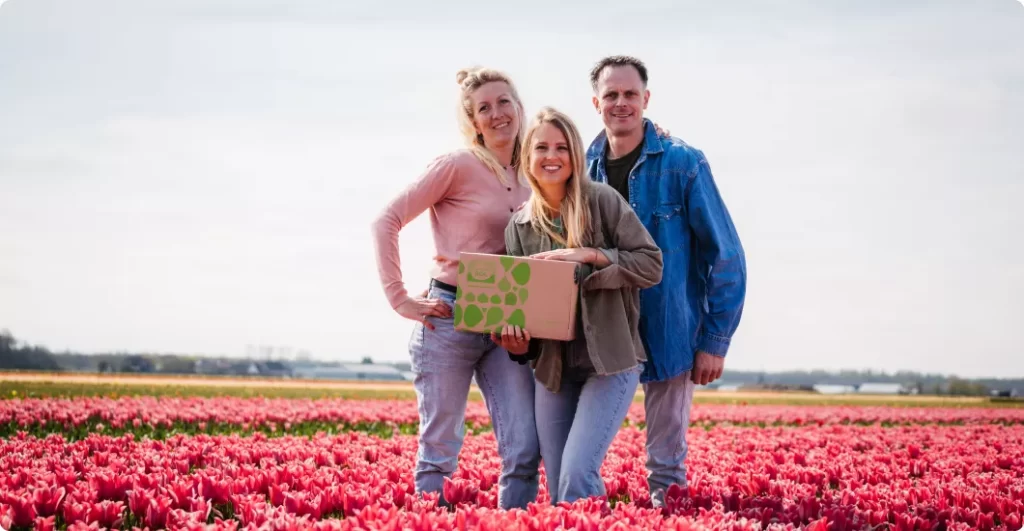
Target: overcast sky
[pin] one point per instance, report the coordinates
(200, 175)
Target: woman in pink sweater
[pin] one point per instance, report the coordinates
(471, 194)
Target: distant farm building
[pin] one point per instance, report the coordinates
(878, 388)
(351, 371)
(724, 386)
(835, 389)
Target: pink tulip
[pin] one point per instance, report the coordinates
(45, 524)
(48, 500)
(6, 516)
(157, 511)
(22, 511)
(107, 513)
(822, 471)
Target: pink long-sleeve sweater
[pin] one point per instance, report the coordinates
(469, 210)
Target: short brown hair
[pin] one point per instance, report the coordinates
(618, 60)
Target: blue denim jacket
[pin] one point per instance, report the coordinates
(698, 304)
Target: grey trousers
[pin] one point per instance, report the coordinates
(667, 411)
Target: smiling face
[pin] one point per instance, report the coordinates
(550, 156)
(554, 162)
(621, 98)
(495, 115)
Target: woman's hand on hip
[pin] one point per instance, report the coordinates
(419, 308)
(513, 339)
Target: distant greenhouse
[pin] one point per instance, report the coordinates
(350, 371)
(834, 389)
(879, 388)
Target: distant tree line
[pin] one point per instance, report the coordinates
(21, 356)
(15, 355)
(24, 357)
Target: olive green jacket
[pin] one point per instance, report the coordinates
(609, 296)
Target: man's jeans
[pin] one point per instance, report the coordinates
(576, 426)
(445, 361)
(667, 409)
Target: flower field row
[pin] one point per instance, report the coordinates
(832, 477)
(76, 418)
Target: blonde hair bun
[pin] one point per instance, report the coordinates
(461, 76)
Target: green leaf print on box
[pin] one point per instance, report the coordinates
(489, 297)
(518, 318)
(494, 316)
(472, 315)
(521, 273)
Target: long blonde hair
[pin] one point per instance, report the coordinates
(574, 210)
(469, 80)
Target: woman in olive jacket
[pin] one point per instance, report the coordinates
(587, 383)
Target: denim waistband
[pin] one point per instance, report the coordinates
(444, 286)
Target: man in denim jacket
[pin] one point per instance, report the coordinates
(688, 320)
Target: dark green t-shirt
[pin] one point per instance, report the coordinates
(618, 170)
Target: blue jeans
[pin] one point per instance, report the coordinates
(576, 426)
(445, 362)
(667, 410)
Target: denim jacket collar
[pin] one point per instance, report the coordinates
(597, 149)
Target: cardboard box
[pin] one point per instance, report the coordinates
(538, 295)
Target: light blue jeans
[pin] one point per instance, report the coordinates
(667, 411)
(576, 426)
(445, 362)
